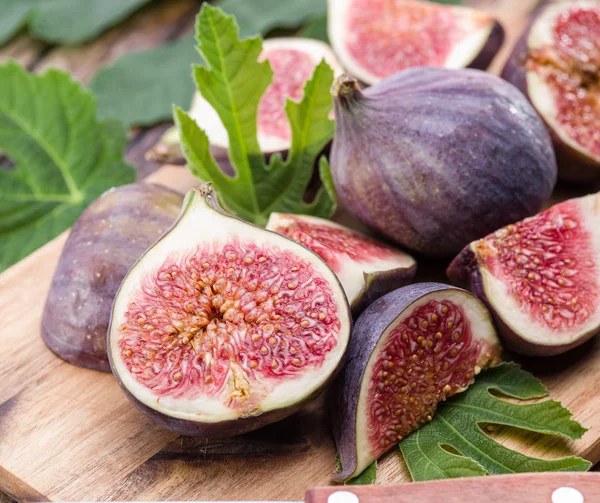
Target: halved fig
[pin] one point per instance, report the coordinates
(293, 61)
(367, 269)
(540, 277)
(104, 243)
(376, 38)
(556, 63)
(409, 350)
(222, 327)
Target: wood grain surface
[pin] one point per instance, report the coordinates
(70, 434)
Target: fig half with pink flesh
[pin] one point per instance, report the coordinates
(376, 38)
(104, 243)
(540, 277)
(293, 61)
(222, 326)
(556, 63)
(409, 350)
(366, 268)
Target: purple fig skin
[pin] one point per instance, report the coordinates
(573, 165)
(435, 158)
(366, 333)
(464, 271)
(490, 49)
(123, 222)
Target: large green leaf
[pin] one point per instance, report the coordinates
(141, 88)
(260, 16)
(457, 424)
(63, 21)
(233, 82)
(63, 157)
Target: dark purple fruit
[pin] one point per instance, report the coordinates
(104, 243)
(367, 269)
(222, 327)
(409, 350)
(376, 38)
(540, 277)
(435, 158)
(556, 63)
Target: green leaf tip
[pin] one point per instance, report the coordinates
(233, 82)
(64, 157)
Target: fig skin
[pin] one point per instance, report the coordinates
(103, 244)
(366, 334)
(435, 158)
(491, 48)
(242, 424)
(573, 165)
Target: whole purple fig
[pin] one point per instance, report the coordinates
(435, 158)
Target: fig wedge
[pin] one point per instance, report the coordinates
(540, 277)
(367, 269)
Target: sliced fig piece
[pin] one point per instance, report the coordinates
(540, 277)
(409, 350)
(222, 327)
(366, 268)
(377, 38)
(556, 63)
(434, 158)
(104, 243)
(293, 61)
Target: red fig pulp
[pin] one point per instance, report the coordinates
(293, 61)
(540, 277)
(409, 350)
(377, 38)
(556, 64)
(222, 327)
(435, 158)
(366, 268)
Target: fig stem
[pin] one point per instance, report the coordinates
(346, 90)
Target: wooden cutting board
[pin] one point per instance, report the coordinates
(69, 434)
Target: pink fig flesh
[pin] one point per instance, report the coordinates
(377, 38)
(409, 350)
(366, 268)
(540, 277)
(556, 64)
(222, 327)
(103, 244)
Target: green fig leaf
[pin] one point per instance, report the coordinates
(63, 156)
(261, 16)
(233, 82)
(63, 21)
(453, 444)
(316, 28)
(133, 91)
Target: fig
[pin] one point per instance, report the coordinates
(366, 268)
(293, 61)
(222, 327)
(556, 63)
(409, 350)
(377, 38)
(104, 243)
(539, 277)
(435, 158)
